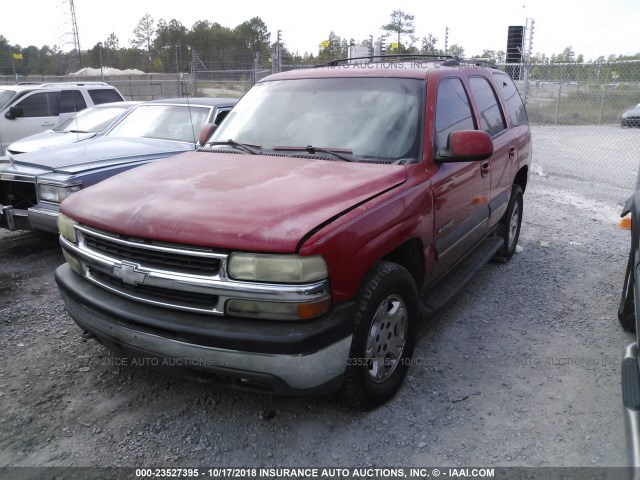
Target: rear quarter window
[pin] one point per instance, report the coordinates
(491, 116)
(104, 95)
(71, 101)
(515, 108)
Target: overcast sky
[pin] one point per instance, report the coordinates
(591, 27)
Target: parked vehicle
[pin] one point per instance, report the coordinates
(631, 117)
(295, 252)
(29, 109)
(88, 123)
(629, 315)
(32, 185)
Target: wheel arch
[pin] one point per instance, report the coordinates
(522, 177)
(410, 255)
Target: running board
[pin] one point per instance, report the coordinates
(454, 281)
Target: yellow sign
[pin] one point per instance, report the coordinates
(394, 45)
(325, 44)
(17, 56)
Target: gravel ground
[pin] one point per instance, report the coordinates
(522, 369)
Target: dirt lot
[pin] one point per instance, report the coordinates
(521, 370)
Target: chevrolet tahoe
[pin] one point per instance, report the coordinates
(297, 250)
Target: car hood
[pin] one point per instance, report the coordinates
(228, 201)
(100, 152)
(47, 139)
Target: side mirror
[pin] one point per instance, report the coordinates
(13, 112)
(466, 146)
(206, 132)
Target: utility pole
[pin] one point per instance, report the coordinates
(278, 54)
(101, 69)
(526, 55)
(178, 70)
(13, 65)
(76, 34)
(446, 40)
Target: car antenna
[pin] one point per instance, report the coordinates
(193, 130)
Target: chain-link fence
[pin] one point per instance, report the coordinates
(133, 87)
(576, 114)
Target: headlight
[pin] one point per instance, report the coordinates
(66, 227)
(53, 193)
(277, 268)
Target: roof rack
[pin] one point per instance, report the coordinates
(447, 60)
(79, 84)
(395, 56)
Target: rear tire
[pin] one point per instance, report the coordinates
(385, 330)
(509, 228)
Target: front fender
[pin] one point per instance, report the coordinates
(353, 243)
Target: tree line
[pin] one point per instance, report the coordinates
(168, 46)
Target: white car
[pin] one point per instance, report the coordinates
(88, 123)
(29, 109)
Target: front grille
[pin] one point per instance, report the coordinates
(21, 195)
(157, 259)
(156, 294)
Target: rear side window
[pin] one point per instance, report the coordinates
(491, 117)
(221, 116)
(71, 101)
(104, 95)
(41, 104)
(453, 112)
(515, 108)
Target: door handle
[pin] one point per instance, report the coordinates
(47, 124)
(485, 168)
(512, 153)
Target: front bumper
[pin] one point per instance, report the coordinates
(40, 217)
(13, 218)
(280, 357)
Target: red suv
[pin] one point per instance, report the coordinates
(296, 251)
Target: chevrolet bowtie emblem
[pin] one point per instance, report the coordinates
(129, 273)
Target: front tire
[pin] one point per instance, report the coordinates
(385, 332)
(509, 228)
(626, 309)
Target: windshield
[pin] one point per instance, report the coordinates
(5, 96)
(169, 122)
(374, 118)
(90, 120)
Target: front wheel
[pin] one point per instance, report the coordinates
(384, 336)
(509, 228)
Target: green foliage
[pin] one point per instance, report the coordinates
(143, 34)
(400, 23)
(456, 50)
(155, 47)
(336, 49)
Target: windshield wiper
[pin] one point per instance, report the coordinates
(247, 147)
(77, 131)
(336, 152)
